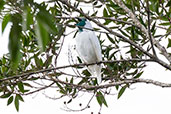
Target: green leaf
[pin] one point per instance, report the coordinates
(14, 41)
(142, 21)
(138, 75)
(86, 72)
(48, 62)
(117, 87)
(38, 61)
(5, 21)
(95, 13)
(42, 35)
(110, 39)
(21, 87)
(124, 33)
(5, 95)
(105, 13)
(100, 99)
(71, 81)
(74, 93)
(46, 20)
(27, 2)
(153, 27)
(165, 24)
(134, 35)
(16, 102)
(163, 18)
(168, 4)
(20, 98)
(121, 91)
(61, 88)
(27, 19)
(169, 43)
(10, 100)
(154, 6)
(2, 2)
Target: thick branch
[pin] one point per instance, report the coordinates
(68, 66)
(127, 81)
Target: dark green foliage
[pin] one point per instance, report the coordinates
(27, 19)
(20, 86)
(121, 91)
(169, 43)
(5, 21)
(14, 40)
(6, 95)
(100, 99)
(10, 100)
(16, 102)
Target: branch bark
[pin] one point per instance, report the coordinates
(149, 29)
(104, 18)
(143, 29)
(126, 81)
(24, 75)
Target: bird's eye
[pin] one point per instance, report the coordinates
(84, 19)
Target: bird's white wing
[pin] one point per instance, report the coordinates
(96, 45)
(95, 69)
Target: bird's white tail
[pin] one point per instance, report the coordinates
(95, 70)
(99, 78)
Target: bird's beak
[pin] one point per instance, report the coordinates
(79, 19)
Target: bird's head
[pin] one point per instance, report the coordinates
(83, 23)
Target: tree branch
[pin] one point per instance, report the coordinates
(43, 88)
(126, 81)
(104, 18)
(149, 29)
(119, 35)
(143, 29)
(24, 75)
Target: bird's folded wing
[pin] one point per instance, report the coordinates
(96, 45)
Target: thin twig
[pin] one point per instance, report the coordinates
(62, 43)
(149, 29)
(43, 88)
(87, 106)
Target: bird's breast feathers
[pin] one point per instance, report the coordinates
(88, 47)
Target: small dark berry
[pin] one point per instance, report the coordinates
(80, 104)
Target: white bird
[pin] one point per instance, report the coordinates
(88, 47)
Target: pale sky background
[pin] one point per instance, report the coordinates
(141, 98)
